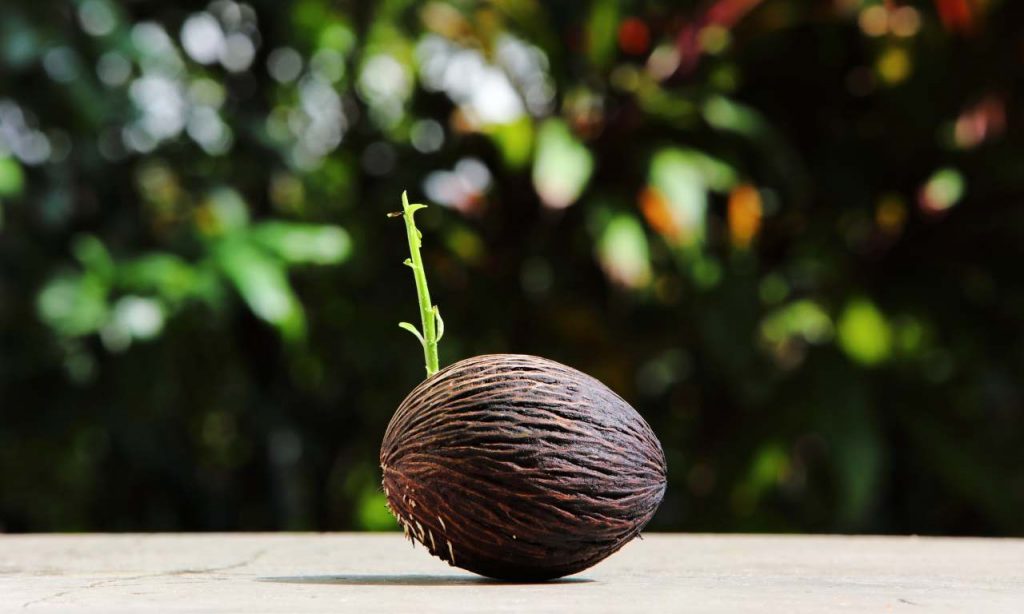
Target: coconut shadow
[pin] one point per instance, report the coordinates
(410, 580)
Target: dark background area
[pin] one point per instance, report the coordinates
(790, 233)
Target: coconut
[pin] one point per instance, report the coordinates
(520, 468)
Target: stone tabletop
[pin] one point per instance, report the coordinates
(384, 573)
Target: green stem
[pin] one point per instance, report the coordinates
(429, 315)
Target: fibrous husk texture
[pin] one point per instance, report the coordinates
(519, 467)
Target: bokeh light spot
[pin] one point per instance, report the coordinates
(202, 38)
(943, 189)
(634, 36)
(284, 64)
(864, 333)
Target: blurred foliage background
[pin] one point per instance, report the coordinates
(789, 232)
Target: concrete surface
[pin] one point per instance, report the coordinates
(383, 573)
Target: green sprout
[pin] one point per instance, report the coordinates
(430, 316)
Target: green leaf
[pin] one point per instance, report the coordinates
(373, 512)
(731, 116)
(12, 179)
(514, 139)
(74, 305)
(681, 179)
(228, 210)
(261, 281)
(163, 274)
(602, 35)
(440, 323)
(623, 252)
(844, 416)
(864, 333)
(304, 243)
(94, 256)
(804, 318)
(562, 165)
(412, 329)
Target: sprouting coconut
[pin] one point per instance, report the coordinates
(513, 466)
